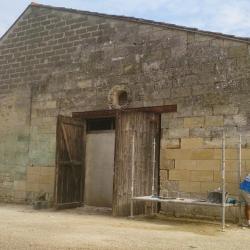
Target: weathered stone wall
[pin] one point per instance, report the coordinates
(57, 62)
(14, 144)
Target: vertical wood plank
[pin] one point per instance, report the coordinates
(70, 162)
(145, 126)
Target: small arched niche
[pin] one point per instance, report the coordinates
(118, 97)
(122, 98)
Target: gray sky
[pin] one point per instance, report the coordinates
(227, 16)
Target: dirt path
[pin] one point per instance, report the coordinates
(21, 227)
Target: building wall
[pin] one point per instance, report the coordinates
(56, 62)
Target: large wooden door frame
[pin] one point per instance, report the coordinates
(113, 113)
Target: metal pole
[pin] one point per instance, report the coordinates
(153, 175)
(153, 166)
(132, 177)
(239, 178)
(223, 181)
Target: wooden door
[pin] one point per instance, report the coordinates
(144, 127)
(70, 156)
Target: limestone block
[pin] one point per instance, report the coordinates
(47, 188)
(237, 51)
(203, 154)
(33, 170)
(181, 154)
(231, 176)
(19, 196)
(7, 184)
(176, 175)
(202, 111)
(47, 129)
(202, 90)
(232, 142)
(166, 163)
(19, 185)
(49, 104)
(33, 178)
(231, 132)
(209, 186)
(85, 83)
(233, 189)
(194, 122)
(208, 164)
(247, 165)
(176, 122)
(191, 143)
(225, 109)
(165, 118)
(214, 121)
(169, 185)
(46, 179)
(163, 176)
(235, 120)
(32, 187)
(197, 154)
(199, 132)
(212, 142)
(232, 165)
(184, 110)
(185, 164)
(180, 92)
(202, 38)
(245, 153)
(170, 143)
(190, 186)
(230, 154)
(47, 170)
(205, 175)
(217, 43)
(178, 132)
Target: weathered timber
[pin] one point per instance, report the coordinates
(144, 127)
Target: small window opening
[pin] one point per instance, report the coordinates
(101, 124)
(123, 98)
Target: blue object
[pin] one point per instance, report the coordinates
(231, 200)
(245, 186)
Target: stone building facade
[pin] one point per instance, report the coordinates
(58, 61)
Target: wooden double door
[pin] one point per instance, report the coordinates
(70, 160)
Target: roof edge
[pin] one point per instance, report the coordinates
(135, 20)
(148, 22)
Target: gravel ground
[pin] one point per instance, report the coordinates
(21, 227)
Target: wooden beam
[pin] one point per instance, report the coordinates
(155, 109)
(112, 112)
